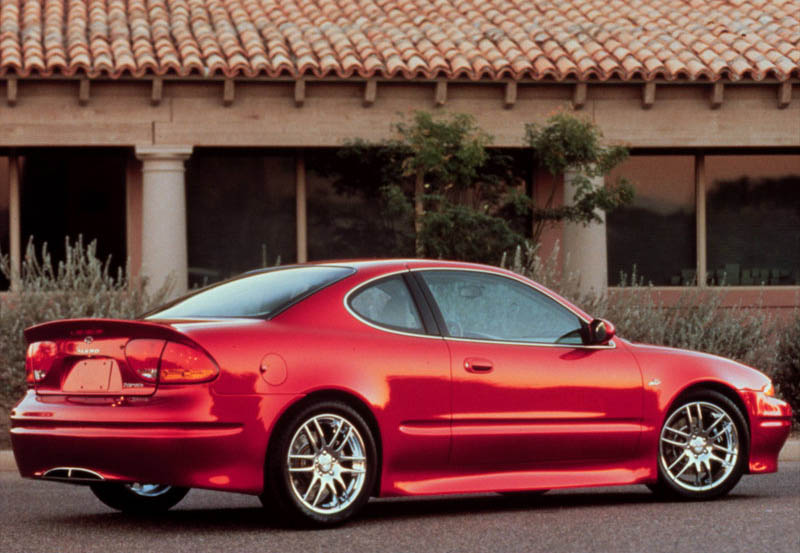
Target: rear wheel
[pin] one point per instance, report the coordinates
(702, 451)
(138, 498)
(323, 467)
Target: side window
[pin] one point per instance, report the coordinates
(491, 307)
(388, 303)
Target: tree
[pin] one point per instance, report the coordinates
(565, 143)
(438, 174)
(467, 201)
(443, 156)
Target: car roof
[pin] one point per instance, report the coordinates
(382, 266)
(387, 263)
(391, 265)
(399, 264)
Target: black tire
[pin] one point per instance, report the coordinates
(658, 489)
(706, 449)
(525, 493)
(336, 485)
(138, 499)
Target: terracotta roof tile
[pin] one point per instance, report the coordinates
(476, 39)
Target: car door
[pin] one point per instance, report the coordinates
(526, 390)
(404, 356)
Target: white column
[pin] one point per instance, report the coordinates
(302, 219)
(164, 246)
(585, 251)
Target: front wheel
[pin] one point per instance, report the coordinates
(702, 450)
(324, 465)
(138, 498)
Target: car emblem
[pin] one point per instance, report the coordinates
(654, 382)
(88, 340)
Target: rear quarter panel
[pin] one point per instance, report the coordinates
(404, 380)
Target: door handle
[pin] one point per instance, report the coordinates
(478, 365)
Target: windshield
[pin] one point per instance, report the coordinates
(261, 294)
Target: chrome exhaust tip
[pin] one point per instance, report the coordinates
(72, 474)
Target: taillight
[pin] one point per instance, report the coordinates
(143, 357)
(169, 362)
(184, 364)
(38, 361)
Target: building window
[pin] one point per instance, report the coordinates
(753, 219)
(655, 236)
(241, 212)
(750, 222)
(349, 221)
(72, 192)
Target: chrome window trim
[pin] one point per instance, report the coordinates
(610, 345)
(346, 301)
(376, 326)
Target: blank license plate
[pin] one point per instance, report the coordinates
(94, 376)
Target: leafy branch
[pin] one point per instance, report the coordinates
(571, 144)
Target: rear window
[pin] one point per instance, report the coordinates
(256, 295)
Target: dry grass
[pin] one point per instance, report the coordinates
(79, 286)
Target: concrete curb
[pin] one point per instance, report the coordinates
(7, 462)
(790, 452)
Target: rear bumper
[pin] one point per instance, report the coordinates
(770, 425)
(181, 437)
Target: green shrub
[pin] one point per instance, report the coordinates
(570, 143)
(79, 286)
(460, 232)
(787, 374)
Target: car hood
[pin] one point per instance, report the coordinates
(657, 361)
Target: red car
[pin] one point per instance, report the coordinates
(321, 385)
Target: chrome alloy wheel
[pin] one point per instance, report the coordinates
(699, 446)
(327, 463)
(148, 490)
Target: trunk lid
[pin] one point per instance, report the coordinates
(98, 357)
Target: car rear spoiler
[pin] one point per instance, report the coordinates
(106, 328)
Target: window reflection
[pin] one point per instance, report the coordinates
(488, 307)
(753, 219)
(347, 220)
(388, 303)
(656, 234)
(241, 212)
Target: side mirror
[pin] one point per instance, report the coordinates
(601, 331)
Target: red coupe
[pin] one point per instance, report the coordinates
(319, 386)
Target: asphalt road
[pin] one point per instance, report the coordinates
(762, 514)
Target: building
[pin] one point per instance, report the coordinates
(180, 132)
